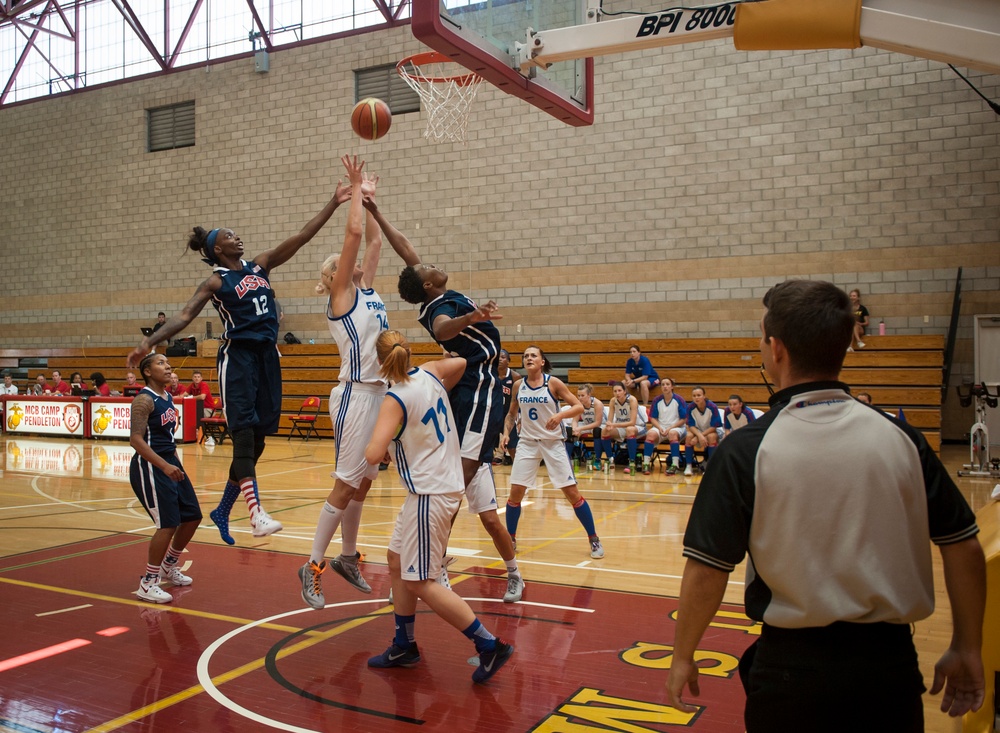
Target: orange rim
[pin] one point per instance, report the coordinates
(433, 57)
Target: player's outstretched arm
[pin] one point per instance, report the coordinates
(176, 324)
(397, 240)
(286, 250)
(446, 327)
(448, 370)
(959, 672)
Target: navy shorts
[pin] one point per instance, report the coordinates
(479, 415)
(169, 503)
(250, 383)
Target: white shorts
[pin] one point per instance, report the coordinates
(354, 411)
(618, 434)
(420, 536)
(682, 432)
(524, 472)
(482, 491)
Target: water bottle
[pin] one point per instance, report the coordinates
(881, 327)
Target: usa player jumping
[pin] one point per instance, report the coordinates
(158, 480)
(536, 397)
(248, 366)
(464, 329)
(417, 417)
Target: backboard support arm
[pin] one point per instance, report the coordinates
(961, 32)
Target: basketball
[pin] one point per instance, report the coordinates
(371, 118)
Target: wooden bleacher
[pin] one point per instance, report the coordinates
(898, 371)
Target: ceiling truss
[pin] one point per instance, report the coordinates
(37, 20)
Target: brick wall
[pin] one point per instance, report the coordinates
(708, 175)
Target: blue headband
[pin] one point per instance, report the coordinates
(210, 247)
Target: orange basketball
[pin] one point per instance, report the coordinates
(371, 118)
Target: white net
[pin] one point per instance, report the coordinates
(447, 98)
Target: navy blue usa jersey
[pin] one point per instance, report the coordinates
(477, 344)
(245, 303)
(162, 423)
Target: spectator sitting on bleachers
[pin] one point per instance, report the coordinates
(100, 384)
(76, 382)
(587, 423)
(668, 418)
(861, 320)
(59, 387)
(41, 386)
(639, 371)
(8, 385)
(623, 425)
(200, 390)
(704, 428)
(864, 397)
(737, 415)
(174, 388)
(131, 387)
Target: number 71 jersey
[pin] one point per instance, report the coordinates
(428, 455)
(245, 303)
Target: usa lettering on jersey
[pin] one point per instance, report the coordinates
(250, 283)
(169, 415)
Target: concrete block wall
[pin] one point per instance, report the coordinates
(708, 175)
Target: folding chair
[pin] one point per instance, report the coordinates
(304, 424)
(215, 426)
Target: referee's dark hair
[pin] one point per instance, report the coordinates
(814, 321)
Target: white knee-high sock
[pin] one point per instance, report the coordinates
(329, 519)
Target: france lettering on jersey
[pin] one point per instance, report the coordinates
(537, 405)
(245, 303)
(428, 455)
(356, 333)
(669, 411)
(162, 423)
(704, 419)
(589, 413)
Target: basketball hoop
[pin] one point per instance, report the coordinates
(446, 97)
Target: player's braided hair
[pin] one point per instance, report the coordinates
(147, 360)
(411, 286)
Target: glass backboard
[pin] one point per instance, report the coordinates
(481, 37)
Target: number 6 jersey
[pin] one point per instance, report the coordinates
(428, 456)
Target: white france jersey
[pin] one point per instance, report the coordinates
(589, 414)
(356, 333)
(623, 413)
(537, 405)
(428, 456)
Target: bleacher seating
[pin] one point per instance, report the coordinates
(898, 371)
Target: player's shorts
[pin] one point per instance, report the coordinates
(719, 432)
(354, 411)
(682, 432)
(481, 492)
(524, 472)
(250, 385)
(478, 412)
(420, 536)
(169, 503)
(618, 434)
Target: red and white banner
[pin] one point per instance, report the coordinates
(112, 417)
(46, 415)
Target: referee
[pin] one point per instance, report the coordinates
(840, 553)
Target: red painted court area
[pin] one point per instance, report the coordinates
(236, 651)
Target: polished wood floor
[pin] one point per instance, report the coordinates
(66, 507)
